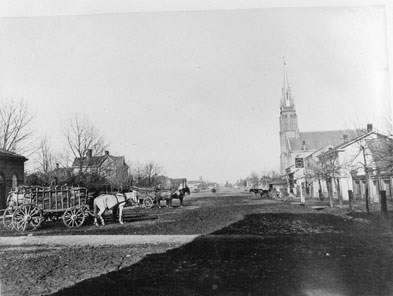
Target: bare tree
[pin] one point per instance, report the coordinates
(137, 171)
(82, 136)
(15, 126)
(366, 162)
(65, 159)
(151, 169)
(46, 160)
(328, 168)
(269, 176)
(254, 180)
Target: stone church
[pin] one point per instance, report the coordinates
(295, 144)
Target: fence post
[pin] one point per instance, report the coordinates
(384, 205)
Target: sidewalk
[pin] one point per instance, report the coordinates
(357, 205)
(96, 240)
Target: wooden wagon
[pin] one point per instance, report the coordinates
(146, 197)
(29, 206)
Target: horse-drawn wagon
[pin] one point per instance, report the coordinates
(29, 206)
(145, 197)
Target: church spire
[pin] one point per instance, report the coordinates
(288, 117)
(288, 121)
(286, 98)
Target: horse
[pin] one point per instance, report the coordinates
(255, 190)
(161, 195)
(178, 194)
(265, 193)
(112, 201)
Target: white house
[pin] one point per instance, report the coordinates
(343, 168)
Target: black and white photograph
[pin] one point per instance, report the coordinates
(173, 147)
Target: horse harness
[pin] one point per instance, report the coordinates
(120, 202)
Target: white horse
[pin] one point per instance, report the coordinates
(111, 201)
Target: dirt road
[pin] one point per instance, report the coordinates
(227, 244)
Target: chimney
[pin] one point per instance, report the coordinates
(345, 137)
(89, 153)
(369, 127)
(57, 165)
(304, 146)
(106, 152)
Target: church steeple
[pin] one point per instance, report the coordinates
(286, 97)
(288, 117)
(288, 121)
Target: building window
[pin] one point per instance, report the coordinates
(14, 181)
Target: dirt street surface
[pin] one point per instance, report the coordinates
(229, 243)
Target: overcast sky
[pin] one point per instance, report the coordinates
(196, 91)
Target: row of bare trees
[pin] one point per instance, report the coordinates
(80, 138)
(15, 126)
(370, 156)
(261, 180)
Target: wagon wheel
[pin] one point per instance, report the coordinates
(74, 217)
(27, 217)
(7, 218)
(148, 202)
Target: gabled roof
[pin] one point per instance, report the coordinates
(9, 154)
(373, 148)
(360, 137)
(97, 161)
(317, 140)
(92, 161)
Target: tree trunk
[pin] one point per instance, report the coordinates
(340, 198)
(330, 193)
(367, 180)
(320, 189)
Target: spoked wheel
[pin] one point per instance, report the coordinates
(27, 217)
(148, 202)
(74, 217)
(7, 218)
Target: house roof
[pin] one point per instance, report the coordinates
(96, 161)
(9, 154)
(316, 140)
(361, 136)
(375, 146)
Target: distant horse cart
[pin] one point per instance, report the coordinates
(144, 198)
(29, 206)
(169, 195)
(270, 193)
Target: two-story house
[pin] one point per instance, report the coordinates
(106, 165)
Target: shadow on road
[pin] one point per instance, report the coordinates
(263, 254)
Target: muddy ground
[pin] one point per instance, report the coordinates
(246, 246)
